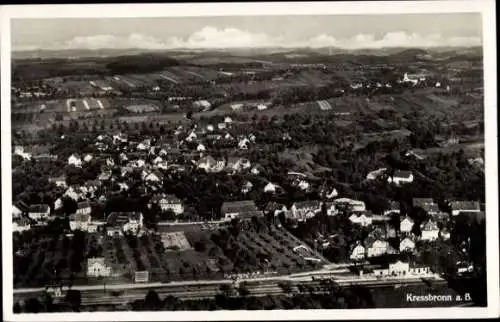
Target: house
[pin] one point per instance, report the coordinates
(377, 248)
(361, 219)
(123, 186)
(256, 169)
(237, 164)
(152, 176)
(88, 158)
(270, 187)
(445, 234)
(427, 204)
(302, 210)
(200, 148)
(191, 137)
(228, 120)
(96, 267)
(407, 245)
(406, 225)
(210, 128)
(79, 221)
(59, 181)
(74, 192)
(430, 230)
(464, 206)
(246, 187)
(400, 269)
(20, 224)
(331, 209)
(209, 164)
(239, 209)
(157, 160)
(373, 175)
(275, 208)
(400, 177)
(353, 205)
(221, 126)
(110, 162)
(243, 144)
(37, 212)
(202, 104)
(303, 185)
(236, 107)
(261, 107)
(19, 208)
(19, 150)
(332, 194)
(75, 160)
(116, 222)
(83, 208)
(167, 202)
(393, 208)
(358, 253)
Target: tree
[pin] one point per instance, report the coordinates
(152, 301)
(17, 307)
(32, 305)
(74, 299)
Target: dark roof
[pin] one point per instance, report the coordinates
(402, 174)
(79, 217)
(465, 205)
(308, 204)
(171, 199)
(83, 204)
(39, 208)
(394, 205)
(21, 205)
(419, 202)
(238, 206)
(121, 218)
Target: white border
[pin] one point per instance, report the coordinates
(486, 7)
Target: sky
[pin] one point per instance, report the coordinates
(342, 31)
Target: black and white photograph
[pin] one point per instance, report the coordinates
(249, 161)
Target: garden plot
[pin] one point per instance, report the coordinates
(175, 240)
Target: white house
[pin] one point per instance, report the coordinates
(377, 248)
(191, 137)
(302, 210)
(18, 208)
(58, 204)
(210, 128)
(406, 245)
(20, 224)
(243, 144)
(358, 253)
(37, 212)
(334, 193)
(221, 126)
(227, 119)
(19, 150)
(303, 185)
(406, 225)
(96, 267)
(444, 234)
(400, 177)
(88, 158)
(200, 148)
(331, 209)
(83, 208)
(270, 187)
(430, 230)
(373, 175)
(110, 162)
(75, 160)
(361, 219)
(168, 202)
(157, 160)
(79, 222)
(246, 187)
(261, 107)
